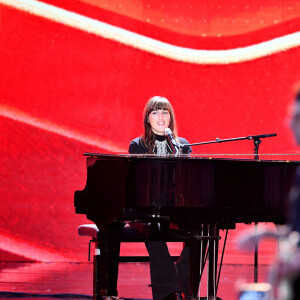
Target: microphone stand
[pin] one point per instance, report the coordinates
(256, 140)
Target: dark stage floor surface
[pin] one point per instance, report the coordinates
(74, 280)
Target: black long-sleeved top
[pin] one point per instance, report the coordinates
(137, 146)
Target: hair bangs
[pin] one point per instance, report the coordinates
(160, 103)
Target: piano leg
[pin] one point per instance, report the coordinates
(197, 259)
(107, 263)
(213, 249)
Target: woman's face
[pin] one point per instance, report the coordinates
(159, 120)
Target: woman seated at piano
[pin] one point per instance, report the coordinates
(158, 115)
(168, 280)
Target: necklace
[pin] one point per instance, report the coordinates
(161, 148)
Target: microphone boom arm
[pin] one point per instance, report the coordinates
(255, 138)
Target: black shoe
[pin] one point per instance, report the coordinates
(175, 296)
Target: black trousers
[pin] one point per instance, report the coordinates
(166, 276)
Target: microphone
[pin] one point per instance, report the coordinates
(262, 136)
(173, 143)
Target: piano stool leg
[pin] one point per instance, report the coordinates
(96, 275)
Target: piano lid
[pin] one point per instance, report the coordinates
(278, 157)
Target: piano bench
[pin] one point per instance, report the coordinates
(129, 235)
(90, 230)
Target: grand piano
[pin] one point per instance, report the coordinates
(190, 190)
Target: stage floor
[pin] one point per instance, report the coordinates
(74, 280)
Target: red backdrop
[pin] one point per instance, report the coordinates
(65, 91)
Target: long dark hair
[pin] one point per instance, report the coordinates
(156, 103)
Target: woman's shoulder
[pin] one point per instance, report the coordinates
(137, 146)
(137, 140)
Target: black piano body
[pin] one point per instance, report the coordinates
(134, 187)
(190, 190)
